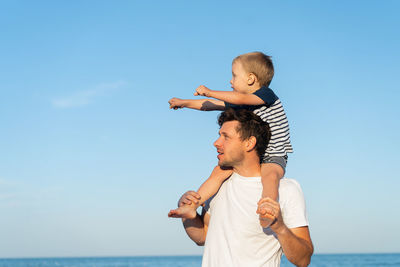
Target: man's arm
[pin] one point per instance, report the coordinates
(230, 96)
(196, 228)
(296, 245)
(296, 242)
(199, 104)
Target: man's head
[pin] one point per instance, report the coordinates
(250, 69)
(241, 132)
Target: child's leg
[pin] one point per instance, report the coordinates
(271, 173)
(211, 186)
(272, 170)
(207, 189)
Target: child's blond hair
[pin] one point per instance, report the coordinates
(259, 64)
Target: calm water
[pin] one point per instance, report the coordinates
(191, 261)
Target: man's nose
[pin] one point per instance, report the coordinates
(217, 142)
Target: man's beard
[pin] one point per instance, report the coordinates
(225, 164)
(231, 163)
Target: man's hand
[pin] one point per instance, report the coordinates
(296, 242)
(176, 103)
(188, 198)
(202, 91)
(270, 214)
(187, 206)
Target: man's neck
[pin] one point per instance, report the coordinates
(248, 168)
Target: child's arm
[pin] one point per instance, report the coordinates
(230, 96)
(199, 104)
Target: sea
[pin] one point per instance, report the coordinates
(195, 261)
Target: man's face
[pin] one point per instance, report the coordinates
(230, 148)
(239, 82)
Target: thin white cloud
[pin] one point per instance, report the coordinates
(9, 191)
(85, 97)
(7, 196)
(19, 194)
(7, 183)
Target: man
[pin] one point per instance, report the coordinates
(230, 224)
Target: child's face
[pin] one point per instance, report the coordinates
(240, 78)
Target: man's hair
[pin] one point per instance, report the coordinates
(249, 125)
(259, 64)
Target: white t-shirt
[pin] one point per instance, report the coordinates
(235, 236)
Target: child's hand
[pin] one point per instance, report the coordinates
(176, 103)
(202, 90)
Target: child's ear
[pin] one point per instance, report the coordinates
(252, 78)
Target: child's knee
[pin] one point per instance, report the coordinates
(272, 169)
(274, 164)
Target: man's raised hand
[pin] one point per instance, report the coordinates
(187, 206)
(270, 214)
(188, 198)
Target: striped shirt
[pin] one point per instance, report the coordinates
(271, 112)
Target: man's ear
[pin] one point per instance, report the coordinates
(251, 143)
(251, 79)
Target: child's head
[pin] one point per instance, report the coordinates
(251, 68)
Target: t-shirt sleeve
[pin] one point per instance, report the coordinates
(267, 95)
(207, 205)
(229, 105)
(293, 206)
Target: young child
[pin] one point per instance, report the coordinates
(251, 75)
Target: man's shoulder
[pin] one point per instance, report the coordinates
(292, 202)
(289, 182)
(289, 188)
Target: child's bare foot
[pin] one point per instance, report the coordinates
(185, 211)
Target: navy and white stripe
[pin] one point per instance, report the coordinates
(273, 113)
(279, 144)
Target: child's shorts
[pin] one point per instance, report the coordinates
(281, 161)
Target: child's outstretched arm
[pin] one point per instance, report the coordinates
(199, 104)
(230, 96)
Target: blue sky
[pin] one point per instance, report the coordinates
(92, 158)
